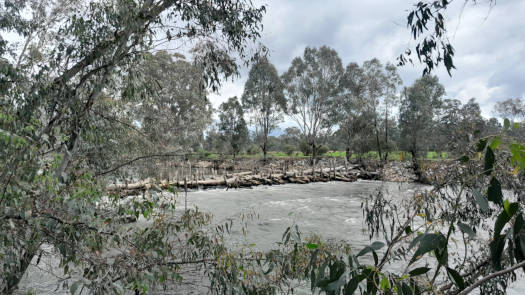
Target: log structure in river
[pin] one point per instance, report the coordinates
(249, 179)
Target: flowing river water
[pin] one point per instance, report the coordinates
(331, 210)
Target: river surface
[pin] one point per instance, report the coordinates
(331, 210)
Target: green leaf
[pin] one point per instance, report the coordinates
(489, 161)
(518, 225)
(504, 217)
(429, 242)
(518, 154)
(494, 192)
(506, 124)
(372, 248)
(522, 243)
(406, 289)
(466, 229)
(311, 246)
(516, 125)
(384, 284)
(481, 200)
(506, 205)
(352, 285)
(518, 234)
(481, 144)
(496, 249)
(495, 143)
(418, 271)
(456, 278)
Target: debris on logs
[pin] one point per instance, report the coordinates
(249, 179)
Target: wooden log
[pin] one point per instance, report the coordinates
(246, 179)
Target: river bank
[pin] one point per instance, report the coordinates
(249, 173)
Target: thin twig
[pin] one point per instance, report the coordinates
(491, 276)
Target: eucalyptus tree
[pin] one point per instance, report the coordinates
(263, 100)
(513, 109)
(50, 89)
(380, 85)
(178, 111)
(232, 126)
(312, 87)
(390, 101)
(419, 104)
(352, 116)
(369, 95)
(457, 125)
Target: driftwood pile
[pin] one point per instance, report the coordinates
(248, 179)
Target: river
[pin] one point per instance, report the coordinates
(331, 210)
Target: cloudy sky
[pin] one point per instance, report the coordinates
(489, 42)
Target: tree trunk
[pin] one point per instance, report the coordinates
(378, 146)
(386, 134)
(377, 139)
(314, 152)
(265, 150)
(347, 154)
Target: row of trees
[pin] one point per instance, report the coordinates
(359, 108)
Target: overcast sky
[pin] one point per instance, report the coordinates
(489, 42)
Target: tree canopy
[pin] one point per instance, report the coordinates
(312, 86)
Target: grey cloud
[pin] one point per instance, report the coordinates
(489, 43)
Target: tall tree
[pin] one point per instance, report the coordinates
(312, 86)
(352, 116)
(513, 109)
(264, 101)
(390, 101)
(232, 125)
(177, 112)
(458, 125)
(369, 95)
(419, 105)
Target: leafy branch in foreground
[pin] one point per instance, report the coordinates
(427, 24)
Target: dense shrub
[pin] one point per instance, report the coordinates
(323, 149)
(289, 149)
(253, 149)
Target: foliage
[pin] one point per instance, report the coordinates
(264, 100)
(63, 94)
(232, 126)
(427, 25)
(176, 113)
(417, 112)
(514, 109)
(323, 149)
(369, 94)
(312, 86)
(253, 149)
(289, 149)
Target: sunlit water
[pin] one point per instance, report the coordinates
(331, 210)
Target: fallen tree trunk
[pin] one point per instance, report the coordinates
(247, 179)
